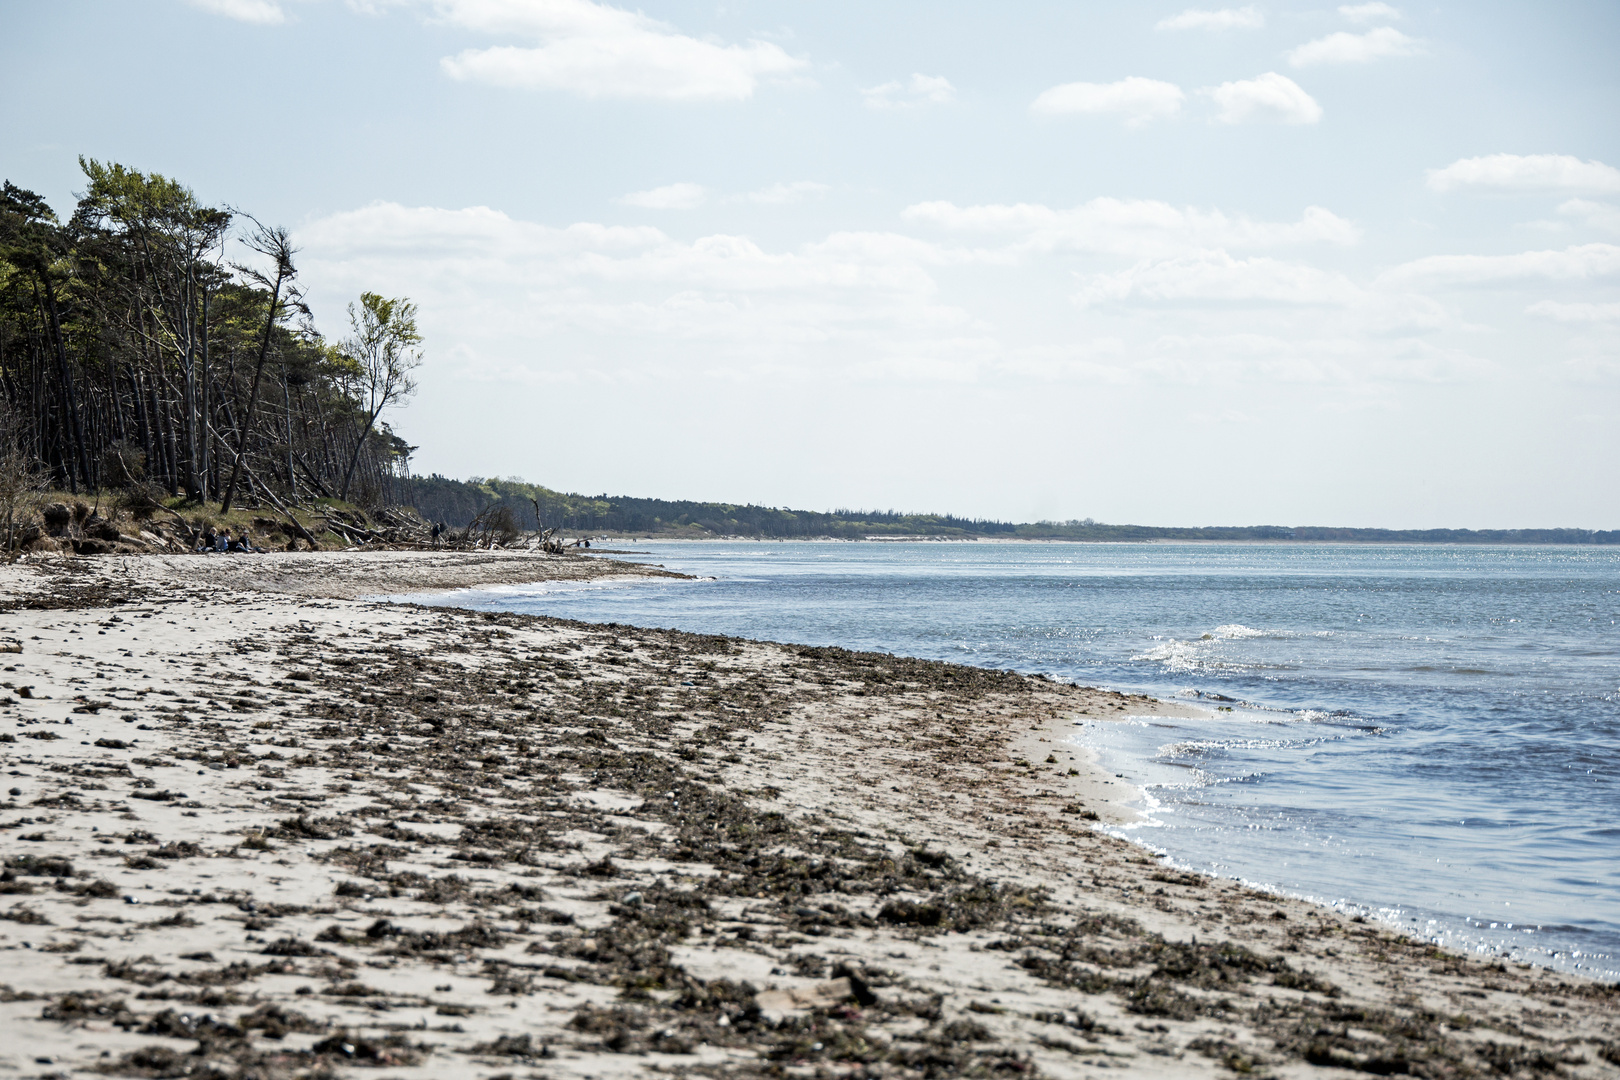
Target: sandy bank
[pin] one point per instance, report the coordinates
(257, 828)
(350, 575)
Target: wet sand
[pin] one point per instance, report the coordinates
(258, 827)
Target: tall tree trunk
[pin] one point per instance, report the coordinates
(253, 395)
(354, 459)
(206, 420)
(143, 421)
(72, 404)
(116, 401)
(190, 376)
(286, 400)
(170, 440)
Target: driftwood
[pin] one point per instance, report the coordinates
(396, 527)
(495, 527)
(297, 527)
(545, 539)
(192, 532)
(483, 525)
(312, 476)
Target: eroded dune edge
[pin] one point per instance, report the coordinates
(258, 828)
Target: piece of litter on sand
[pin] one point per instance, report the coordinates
(804, 998)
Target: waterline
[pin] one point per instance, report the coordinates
(1429, 736)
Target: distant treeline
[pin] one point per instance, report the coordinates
(457, 502)
(1099, 531)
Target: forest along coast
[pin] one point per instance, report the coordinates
(259, 827)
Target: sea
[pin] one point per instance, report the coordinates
(1425, 735)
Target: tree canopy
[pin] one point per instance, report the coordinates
(134, 351)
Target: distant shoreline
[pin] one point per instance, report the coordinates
(458, 502)
(1258, 541)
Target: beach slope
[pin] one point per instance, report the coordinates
(259, 827)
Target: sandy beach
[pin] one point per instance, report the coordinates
(258, 826)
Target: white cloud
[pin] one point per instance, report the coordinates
(1526, 172)
(633, 305)
(636, 303)
(597, 51)
(1138, 99)
(1269, 97)
(262, 12)
(1343, 363)
(781, 194)
(1366, 13)
(1576, 313)
(918, 90)
(1213, 359)
(1597, 215)
(1207, 276)
(1135, 228)
(1579, 263)
(669, 197)
(444, 237)
(649, 324)
(1244, 18)
(374, 7)
(1593, 369)
(1347, 48)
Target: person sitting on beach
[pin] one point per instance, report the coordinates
(222, 542)
(244, 544)
(206, 544)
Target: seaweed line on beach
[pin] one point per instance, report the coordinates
(256, 836)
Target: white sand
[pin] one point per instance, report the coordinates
(202, 665)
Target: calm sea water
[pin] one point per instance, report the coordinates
(1428, 735)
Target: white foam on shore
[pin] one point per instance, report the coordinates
(1167, 780)
(1234, 631)
(478, 597)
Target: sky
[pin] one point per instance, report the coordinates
(1140, 262)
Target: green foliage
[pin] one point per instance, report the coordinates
(381, 354)
(456, 502)
(132, 198)
(132, 351)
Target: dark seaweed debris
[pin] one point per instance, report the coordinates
(556, 814)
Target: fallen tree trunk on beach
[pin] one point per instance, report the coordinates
(293, 523)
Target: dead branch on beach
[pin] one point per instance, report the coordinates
(141, 519)
(395, 527)
(492, 529)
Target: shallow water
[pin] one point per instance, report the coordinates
(1427, 734)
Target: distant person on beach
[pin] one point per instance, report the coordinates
(222, 542)
(438, 531)
(206, 544)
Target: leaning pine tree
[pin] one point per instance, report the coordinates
(154, 340)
